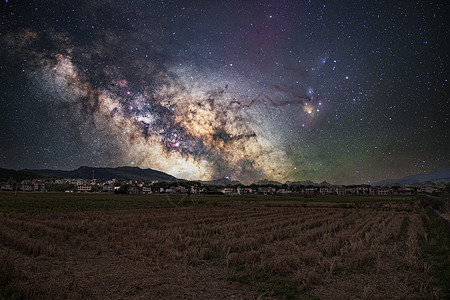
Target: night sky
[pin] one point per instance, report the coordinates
(342, 91)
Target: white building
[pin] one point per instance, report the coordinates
(351, 190)
(373, 190)
(39, 187)
(112, 181)
(427, 189)
(6, 187)
(325, 191)
(228, 191)
(341, 190)
(133, 190)
(108, 187)
(179, 189)
(309, 191)
(244, 191)
(146, 190)
(384, 191)
(263, 190)
(84, 188)
(284, 192)
(27, 188)
(197, 190)
(267, 190)
(362, 190)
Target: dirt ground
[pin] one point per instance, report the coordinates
(233, 250)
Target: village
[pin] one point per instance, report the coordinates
(191, 187)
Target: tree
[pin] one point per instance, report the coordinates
(447, 187)
(54, 187)
(123, 189)
(161, 184)
(96, 188)
(12, 181)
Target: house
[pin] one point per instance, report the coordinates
(146, 190)
(39, 187)
(427, 189)
(240, 191)
(179, 189)
(373, 190)
(309, 191)
(27, 188)
(284, 192)
(244, 191)
(325, 191)
(263, 190)
(197, 190)
(228, 191)
(75, 181)
(384, 191)
(341, 190)
(6, 187)
(112, 181)
(84, 188)
(351, 190)
(406, 191)
(133, 190)
(267, 190)
(362, 190)
(108, 188)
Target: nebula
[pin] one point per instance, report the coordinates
(194, 130)
(279, 90)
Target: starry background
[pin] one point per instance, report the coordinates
(342, 91)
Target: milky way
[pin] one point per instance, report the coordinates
(282, 90)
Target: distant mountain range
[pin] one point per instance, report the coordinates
(221, 181)
(146, 175)
(268, 182)
(226, 181)
(6, 174)
(308, 183)
(436, 176)
(120, 173)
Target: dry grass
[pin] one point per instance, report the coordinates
(364, 252)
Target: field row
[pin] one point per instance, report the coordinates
(362, 252)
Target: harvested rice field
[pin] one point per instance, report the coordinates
(217, 248)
